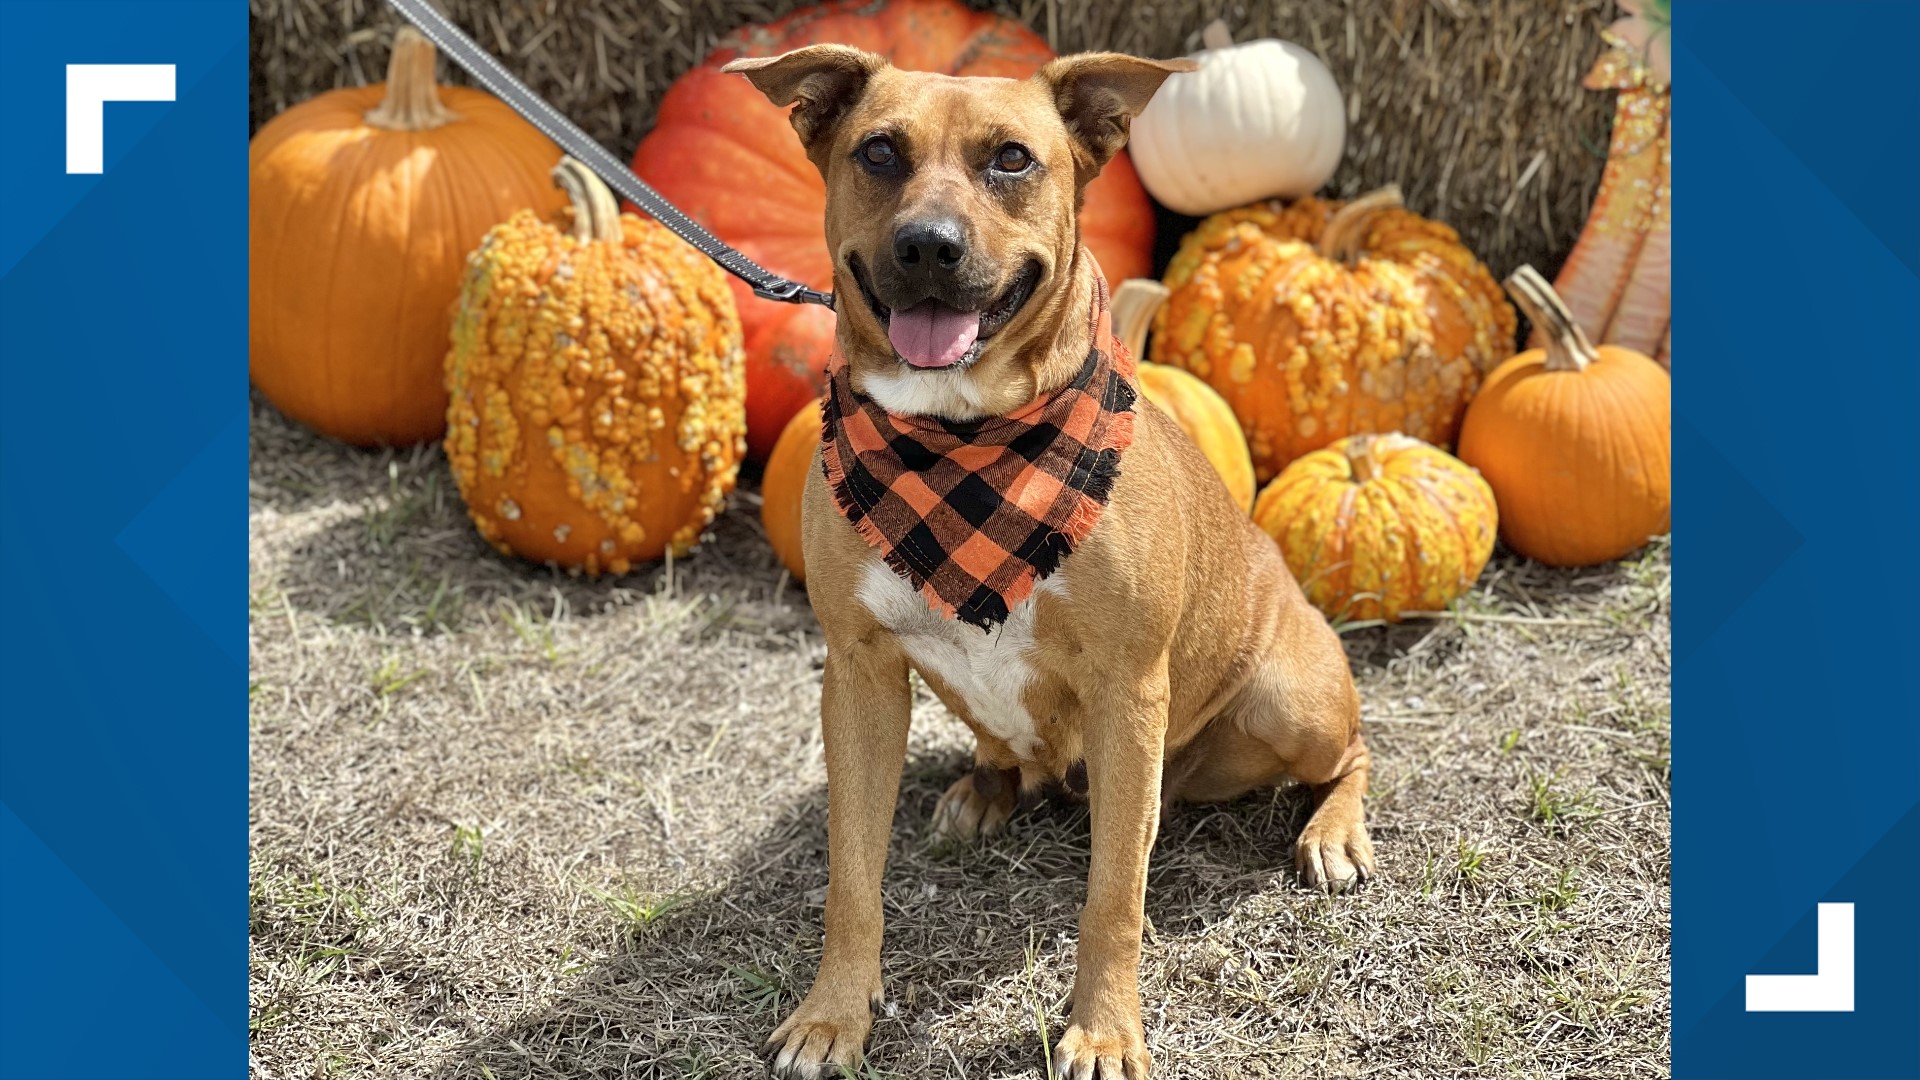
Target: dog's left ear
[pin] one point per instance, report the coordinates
(1099, 94)
(820, 81)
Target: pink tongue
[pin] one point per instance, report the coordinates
(933, 335)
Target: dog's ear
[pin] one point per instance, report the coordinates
(820, 81)
(1099, 94)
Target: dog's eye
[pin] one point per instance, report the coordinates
(1012, 158)
(878, 152)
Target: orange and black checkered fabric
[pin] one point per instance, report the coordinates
(976, 514)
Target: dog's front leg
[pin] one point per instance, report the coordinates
(864, 707)
(1126, 731)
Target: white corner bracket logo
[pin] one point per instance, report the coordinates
(1829, 989)
(89, 88)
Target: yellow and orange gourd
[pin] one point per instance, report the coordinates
(362, 205)
(1319, 320)
(597, 412)
(1575, 439)
(1202, 413)
(1618, 280)
(1380, 526)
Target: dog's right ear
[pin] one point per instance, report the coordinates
(1098, 95)
(820, 81)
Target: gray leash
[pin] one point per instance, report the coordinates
(482, 66)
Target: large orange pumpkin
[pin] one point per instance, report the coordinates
(1318, 320)
(1575, 439)
(1377, 526)
(789, 468)
(722, 153)
(596, 418)
(1203, 414)
(362, 205)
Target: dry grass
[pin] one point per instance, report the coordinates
(510, 824)
(1472, 106)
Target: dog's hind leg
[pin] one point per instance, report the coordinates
(978, 804)
(1298, 717)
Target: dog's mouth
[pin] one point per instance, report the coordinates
(933, 335)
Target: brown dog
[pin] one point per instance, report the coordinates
(1169, 657)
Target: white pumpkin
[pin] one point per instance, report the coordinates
(1259, 120)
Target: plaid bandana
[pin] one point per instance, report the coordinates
(977, 514)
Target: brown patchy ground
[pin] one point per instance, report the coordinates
(506, 823)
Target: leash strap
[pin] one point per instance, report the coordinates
(483, 67)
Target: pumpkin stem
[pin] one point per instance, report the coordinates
(413, 98)
(1347, 230)
(1360, 458)
(1568, 347)
(1133, 306)
(1216, 35)
(596, 216)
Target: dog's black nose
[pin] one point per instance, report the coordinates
(929, 248)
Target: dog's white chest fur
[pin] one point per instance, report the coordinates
(988, 669)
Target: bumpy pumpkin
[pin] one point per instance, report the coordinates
(1378, 526)
(1575, 439)
(362, 205)
(1318, 320)
(1259, 120)
(1200, 412)
(595, 377)
(722, 153)
(789, 468)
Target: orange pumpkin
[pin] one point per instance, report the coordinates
(1320, 320)
(789, 468)
(596, 418)
(1575, 439)
(1203, 414)
(1379, 526)
(725, 155)
(362, 205)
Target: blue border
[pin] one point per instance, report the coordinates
(1796, 637)
(123, 308)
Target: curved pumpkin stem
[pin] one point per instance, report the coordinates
(1133, 306)
(1568, 347)
(596, 216)
(1347, 230)
(1360, 458)
(413, 98)
(1216, 35)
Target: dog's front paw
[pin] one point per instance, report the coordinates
(1093, 1052)
(819, 1041)
(1334, 854)
(978, 804)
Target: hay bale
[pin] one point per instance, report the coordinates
(1474, 109)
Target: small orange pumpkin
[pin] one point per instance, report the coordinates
(1575, 439)
(1320, 320)
(1201, 412)
(597, 414)
(362, 206)
(1377, 526)
(789, 468)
